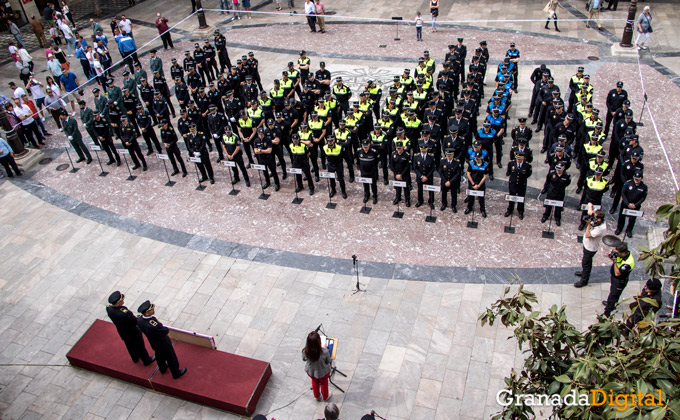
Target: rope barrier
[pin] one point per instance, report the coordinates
(331, 17)
(656, 130)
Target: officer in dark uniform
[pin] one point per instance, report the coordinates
(221, 48)
(450, 171)
(264, 151)
(299, 157)
(521, 131)
(424, 167)
(217, 122)
(197, 147)
(126, 324)
(518, 173)
(157, 334)
(160, 106)
(522, 147)
(595, 188)
(555, 186)
(379, 143)
(102, 129)
(487, 137)
(176, 70)
(161, 85)
(634, 194)
(181, 92)
(334, 156)
(210, 58)
(477, 173)
(128, 136)
(401, 166)
(146, 126)
(615, 99)
(169, 139)
(367, 160)
(627, 171)
(232, 150)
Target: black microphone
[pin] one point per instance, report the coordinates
(318, 328)
(354, 260)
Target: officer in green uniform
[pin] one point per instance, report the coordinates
(70, 127)
(299, 157)
(87, 118)
(99, 101)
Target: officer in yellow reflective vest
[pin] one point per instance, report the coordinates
(306, 137)
(278, 93)
(334, 155)
(342, 94)
(595, 188)
(376, 95)
(299, 157)
(622, 264)
(407, 81)
(343, 137)
(247, 134)
(232, 150)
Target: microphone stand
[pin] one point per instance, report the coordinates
(356, 269)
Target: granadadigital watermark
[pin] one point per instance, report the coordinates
(594, 397)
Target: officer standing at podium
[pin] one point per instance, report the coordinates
(299, 156)
(157, 334)
(401, 166)
(450, 170)
(126, 324)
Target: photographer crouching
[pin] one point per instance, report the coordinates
(595, 230)
(623, 264)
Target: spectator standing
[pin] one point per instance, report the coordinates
(551, 10)
(14, 30)
(310, 12)
(55, 105)
(36, 88)
(644, 27)
(84, 62)
(434, 12)
(164, 31)
(7, 159)
(24, 70)
(320, 11)
(54, 66)
(36, 114)
(54, 35)
(48, 15)
(17, 91)
(38, 31)
(26, 58)
(14, 51)
(95, 27)
(595, 6)
(419, 27)
(68, 36)
(30, 128)
(291, 7)
(125, 25)
(65, 10)
(69, 84)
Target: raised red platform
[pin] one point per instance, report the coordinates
(217, 379)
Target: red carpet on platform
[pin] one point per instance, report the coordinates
(217, 379)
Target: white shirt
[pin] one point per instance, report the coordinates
(98, 70)
(310, 9)
(36, 90)
(592, 244)
(25, 56)
(24, 111)
(55, 89)
(68, 34)
(19, 92)
(125, 25)
(13, 49)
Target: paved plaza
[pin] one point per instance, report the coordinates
(259, 275)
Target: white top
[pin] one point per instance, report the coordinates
(592, 244)
(125, 25)
(98, 70)
(310, 9)
(36, 90)
(66, 30)
(19, 92)
(13, 49)
(25, 56)
(24, 111)
(55, 89)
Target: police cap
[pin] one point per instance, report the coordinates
(559, 166)
(562, 137)
(619, 84)
(478, 154)
(522, 120)
(400, 145)
(520, 153)
(400, 130)
(476, 143)
(486, 124)
(638, 174)
(144, 307)
(95, 90)
(365, 142)
(139, 106)
(522, 140)
(165, 121)
(115, 297)
(599, 171)
(559, 148)
(192, 125)
(570, 116)
(635, 155)
(448, 151)
(601, 153)
(629, 113)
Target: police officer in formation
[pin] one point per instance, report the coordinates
(421, 126)
(126, 325)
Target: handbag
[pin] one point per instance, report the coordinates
(589, 4)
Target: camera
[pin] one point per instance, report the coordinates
(613, 255)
